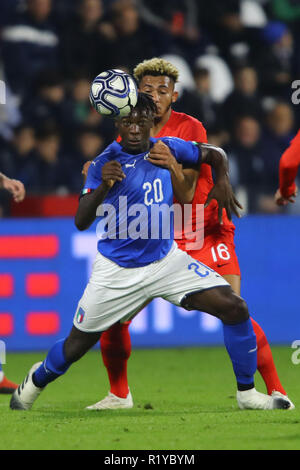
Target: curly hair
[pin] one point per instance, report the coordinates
(145, 102)
(156, 67)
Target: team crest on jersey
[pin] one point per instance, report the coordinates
(80, 315)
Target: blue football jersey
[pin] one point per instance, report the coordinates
(135, 224)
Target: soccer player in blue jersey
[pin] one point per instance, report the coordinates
(129, 270)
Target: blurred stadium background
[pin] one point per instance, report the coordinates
(238, 61)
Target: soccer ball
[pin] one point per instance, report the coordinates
(113, 93)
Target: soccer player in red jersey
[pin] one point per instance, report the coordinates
(17, 190)
(157, 78)
(288, 168)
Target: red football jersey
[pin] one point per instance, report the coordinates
(188, 128)
(288, 167)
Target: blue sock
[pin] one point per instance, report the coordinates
(240, 342)
(53, 366)
(0, 367)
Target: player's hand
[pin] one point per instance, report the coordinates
(84, 170)
(283, 201)
(15, 187)
(161, 155)
(112, 172)
(223, 193)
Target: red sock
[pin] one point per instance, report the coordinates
(265, 362)
(116, 348)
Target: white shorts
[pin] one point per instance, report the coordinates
(115, 293)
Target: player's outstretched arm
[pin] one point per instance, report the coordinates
(15, 187)
(222, 191)
(288, 169)
(87, 208)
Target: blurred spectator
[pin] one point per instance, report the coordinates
(178, 17)
(220, 75)
(81, 107)
(244, 99)
(217, 136)
(32, 42)
(83, 46)
(52, 170)
(81, 110)
(21, 153)
(278, 132)
(199, 103)
(18, 157)
(132, 40)
(223, 21)
(280, 125)
(288, 11)
(248, 151)
(276, 60)
(177, 21)
(49, 102)
(89, 144)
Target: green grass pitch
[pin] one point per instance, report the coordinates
(184, 399)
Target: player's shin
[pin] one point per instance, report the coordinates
(52, 367)
(265, 362)
(240, 342)
(116, 350)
